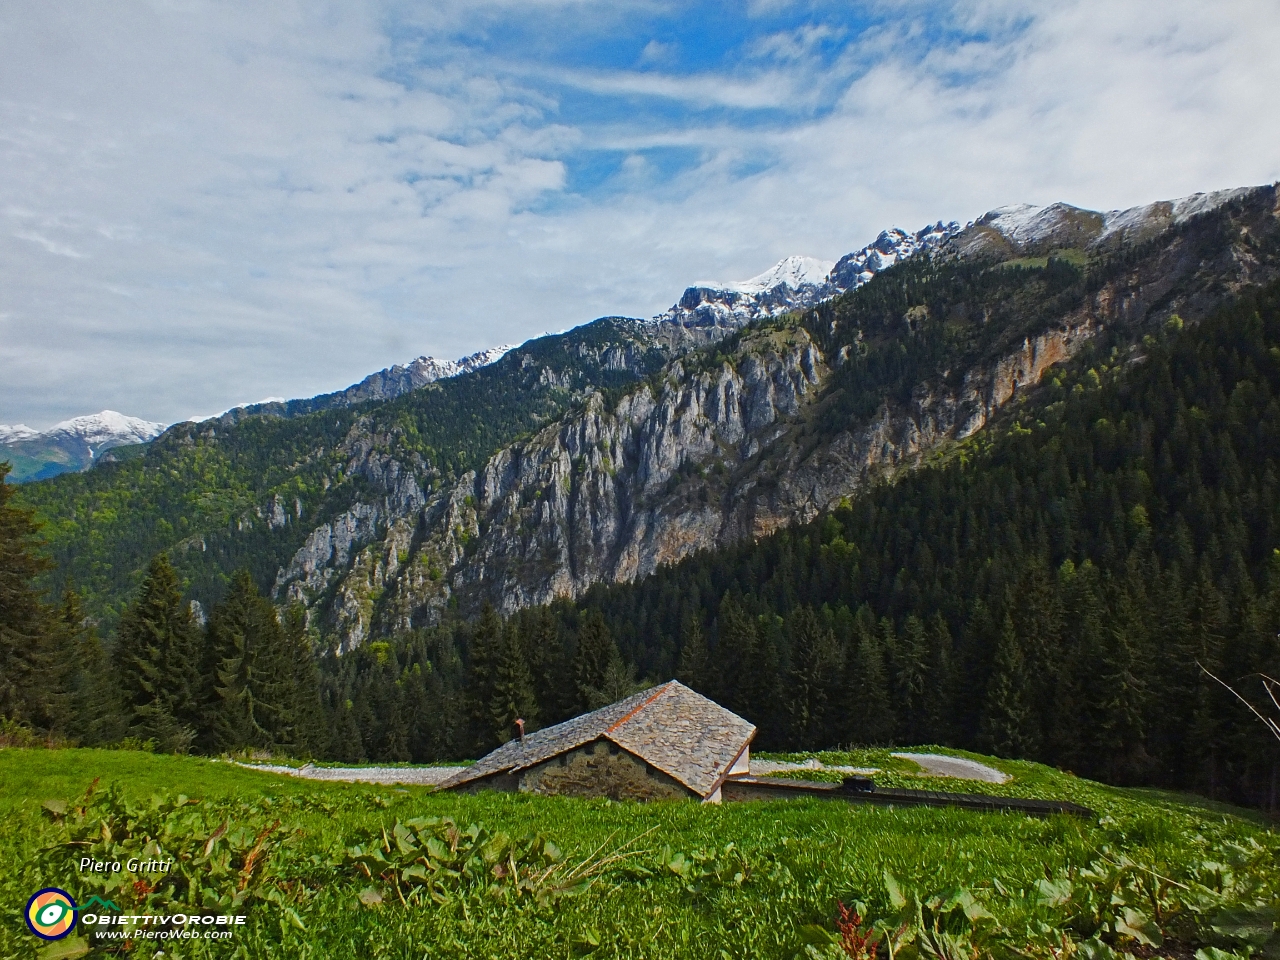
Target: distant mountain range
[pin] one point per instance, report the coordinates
(79, 443)
(73, 444)
(706, 311)
(616, 448)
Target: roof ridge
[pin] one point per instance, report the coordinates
(634, 710)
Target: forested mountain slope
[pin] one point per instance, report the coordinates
(1047, 591)
(220, 496)
(785, 418)
(1048, 588)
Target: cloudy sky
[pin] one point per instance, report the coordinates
(207, 203)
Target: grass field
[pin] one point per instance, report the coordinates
(321, 869)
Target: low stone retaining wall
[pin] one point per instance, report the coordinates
(776, 788)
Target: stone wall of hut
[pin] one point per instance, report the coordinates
(601, 769)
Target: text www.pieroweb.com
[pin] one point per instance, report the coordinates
(163, 934)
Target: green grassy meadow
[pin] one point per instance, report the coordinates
(322, 870)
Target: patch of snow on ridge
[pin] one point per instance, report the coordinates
(432, 369)
(1015, 220)
(892, 246)
(1164, 212)
(1188, 207)
(1025, 223)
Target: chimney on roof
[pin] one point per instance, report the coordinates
(520, 727)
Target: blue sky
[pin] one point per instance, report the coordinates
(207, 203)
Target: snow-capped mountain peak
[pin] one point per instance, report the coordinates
(108, 428)
(97, 431)
(794, 272)
(73, 444)
(17, 433)
(797, 282)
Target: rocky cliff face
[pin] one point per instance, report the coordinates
(704, 459)
(721, 445)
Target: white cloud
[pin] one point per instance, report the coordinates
(204, 202)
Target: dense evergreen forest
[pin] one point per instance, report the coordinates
(1048, 590)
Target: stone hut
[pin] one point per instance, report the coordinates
(664, 743)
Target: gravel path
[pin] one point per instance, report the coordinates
(419, 776)
(942, 766)
(762, 768)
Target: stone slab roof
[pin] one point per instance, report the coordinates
(678, 731)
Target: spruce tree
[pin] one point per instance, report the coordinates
(941, 694)
(553, 688)
(736, 659)
(868, 711)
(694, 656)
(252, 670)
(26, 623)
(911, 680)
(812, 680)
(346, 743)
(591, 663)
(483, 652)
(1119, 691)
(94, 713)
(306, 733)
(1008, 723)
(513, 697)
(157, 657)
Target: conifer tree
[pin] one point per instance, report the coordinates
(912, 686)
(737, 659)
(1006, 729)
(812, 680)
(306, 729)
(26, 623)
(157, 656)
(868, 712)
(694, 656)
(591, 663)
(544, 648)
(483, 652)
(939, 712)
(1038, 619)
(345, 744)
(93, 710)
(1118, 697)
(513, 697)
(395, 745)
(252, 670)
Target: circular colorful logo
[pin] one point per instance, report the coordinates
(51, 913)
